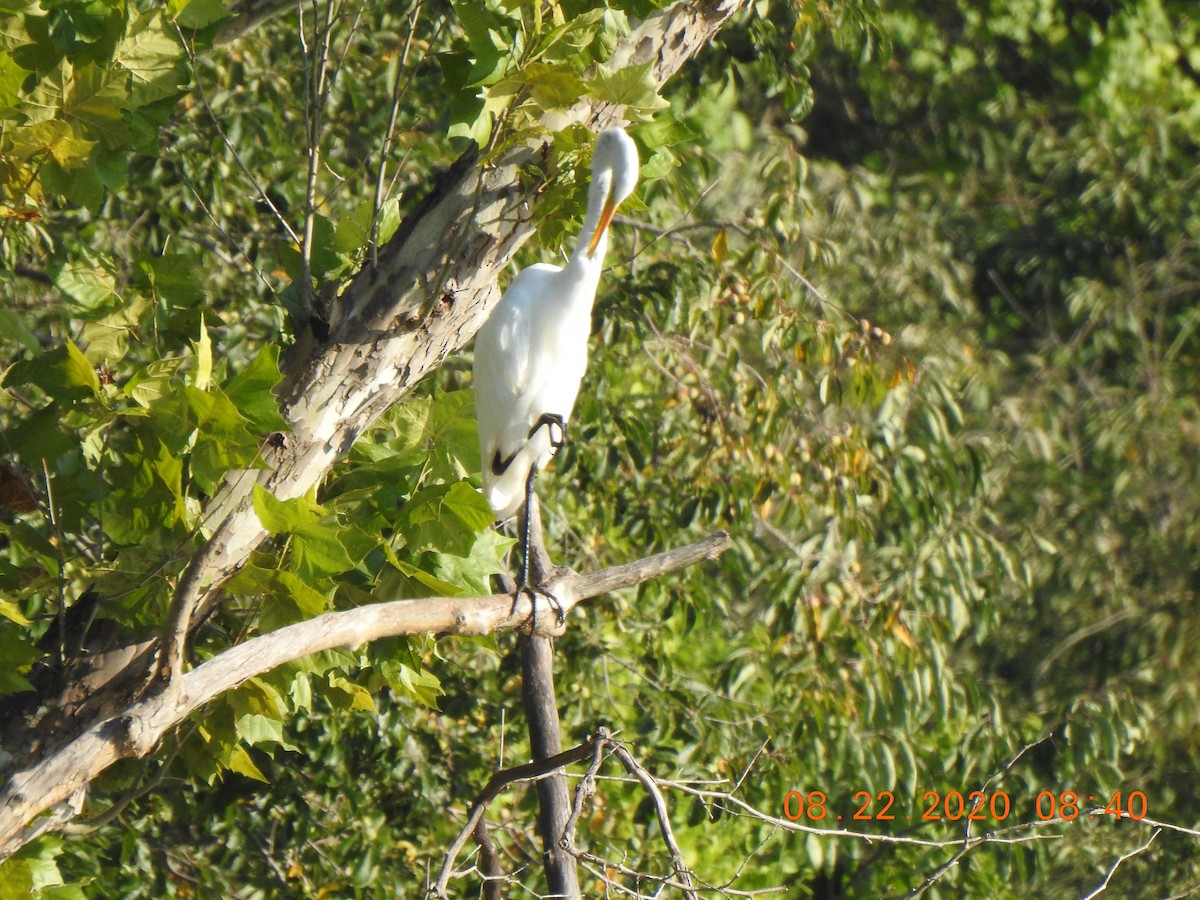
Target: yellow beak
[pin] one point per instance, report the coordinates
(606, 214)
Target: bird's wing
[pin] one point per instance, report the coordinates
(504, 360)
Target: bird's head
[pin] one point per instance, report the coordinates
(614, 176)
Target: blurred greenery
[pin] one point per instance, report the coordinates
(906, 301)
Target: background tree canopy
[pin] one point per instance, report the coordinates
(906, 301)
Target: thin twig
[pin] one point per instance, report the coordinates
(61, 561)
(585, 789)
(498, 782)
(203, 97)
(121, 803)
(746, 771)
(399, 92)
(1112, 870)
(941, 870)
(314, 105)
(664, 819)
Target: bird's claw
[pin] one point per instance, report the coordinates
(560, 614)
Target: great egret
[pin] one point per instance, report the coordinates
(531, 353)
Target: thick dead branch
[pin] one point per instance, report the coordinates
(136, 730)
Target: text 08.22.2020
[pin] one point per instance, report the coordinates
(975, 806)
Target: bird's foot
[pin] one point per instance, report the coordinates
(560, 614)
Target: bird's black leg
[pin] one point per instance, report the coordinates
(526, 533)
(556, 428)
(523, 579)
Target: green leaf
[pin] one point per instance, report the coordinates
(172, 277)
(16, 879)
(438, 587)
(19, 655)
(252, 391)
(53, 136)
(285, 516)
(471, 574)
(151, 383)
(149, 54)
(64, 373)
(286, 599)
(198, 13)
(446, 518)
(259, 729)
(419, 684)
(13, 32)
(239, 761)
(345, 694)
(91, 288)
(12, 612)
(14, 327)
(40, 435)
(632, 87)
(319, 551)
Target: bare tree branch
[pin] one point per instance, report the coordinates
(137, 729)
(1112, 870)
(682, 875)
(534, 771)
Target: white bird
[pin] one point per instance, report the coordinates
(531, 353)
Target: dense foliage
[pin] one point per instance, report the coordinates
(906, 301)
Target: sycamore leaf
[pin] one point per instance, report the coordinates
(149, 53)
(438, 586)
(53, 136)
(631, 87)
(285, 597)
(90, 288)
(95, 97)
(259, 729)
(446, 518)
(14, 326)
(345, 694)
(251, 390)
(197, 13)
(152, 382)
(13, 32)
(78, 372)
(720, 246)
(319, 551)
(471, 574)
(285, 516)
(240, 762)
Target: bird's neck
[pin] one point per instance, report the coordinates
(597, 194)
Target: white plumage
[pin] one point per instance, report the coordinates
(531, 353)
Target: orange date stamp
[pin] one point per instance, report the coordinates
(972, 806)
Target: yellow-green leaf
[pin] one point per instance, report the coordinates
(204, 359)
(720, 246)
(12, 612)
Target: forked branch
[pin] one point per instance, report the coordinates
(138, 728)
